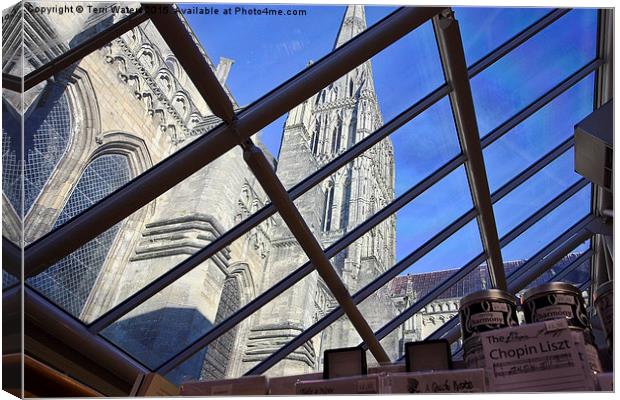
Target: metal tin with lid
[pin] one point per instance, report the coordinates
(555, 300)
(487, 310)
(604, 302)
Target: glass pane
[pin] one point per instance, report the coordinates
(130, 97)
(485, 29)
(534, 193)
(154, 239)
(340, 333)
(357, 104)
(538, 134)
(12, 216)
(239, 349)
(390, 168)
(535, 67)
(435, 314)
(550, 227)
(80, 21)
(400, 234)
(417, 281)
(578, 275)
(276, 47)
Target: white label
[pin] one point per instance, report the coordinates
(486, 318)
(553, 312)
(367, 386)
(530, 358)
(564, 299)
(500, 307)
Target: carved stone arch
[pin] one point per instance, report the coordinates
(133, 38)
(139, 158)
(174, 66)
(181, 104)
(165, 80)
(241, 271)
(148, 58)
(127, 144)
(194, 119)
(241, 281)
(85, 112)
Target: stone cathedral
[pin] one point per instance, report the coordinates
(129, 105)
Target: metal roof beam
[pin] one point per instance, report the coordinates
(455, 69)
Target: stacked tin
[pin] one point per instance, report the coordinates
(484, 311)
(561, 300)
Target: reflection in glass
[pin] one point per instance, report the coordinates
(538, 134)
(485, 29)
(533, 68)
(69, 282)
(534, 193)
(549, 227)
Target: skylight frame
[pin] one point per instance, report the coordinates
(228, 134)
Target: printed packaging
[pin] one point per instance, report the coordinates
(538, 357)
(363, 384)
(249, 385)
(449, 381)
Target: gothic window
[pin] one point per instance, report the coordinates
(47, 131)
(314, 145)
(221, 350)
(329, 203)
(336, 140)
(10, 157)
(69, 282)
(351, 88)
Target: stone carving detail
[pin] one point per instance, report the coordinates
(155, 81)
(249, 202)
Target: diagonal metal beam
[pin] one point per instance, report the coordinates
(529, 275)
(362, 294)
(305, 269)
(168, 22)
(531, 270)
(218, 244)
(417, 306)
(81, 50)
(11, 82)
(532, 170)
(542, 253)
(517, 41)
(11, 258)
(540, 102)
(543, 211)
(180, 165)
(273, 187)
(455, 69)
(576, 263)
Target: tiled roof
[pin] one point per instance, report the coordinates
(478, 279)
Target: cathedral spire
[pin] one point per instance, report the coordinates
(353, 23)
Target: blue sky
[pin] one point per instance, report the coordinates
(268, 50)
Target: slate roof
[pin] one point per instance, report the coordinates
(478, 279)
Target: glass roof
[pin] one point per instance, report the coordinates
(391, 214)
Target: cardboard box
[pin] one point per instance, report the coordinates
(285, 385)
(249, 385)
(363, 384)
(448, 381)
